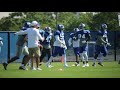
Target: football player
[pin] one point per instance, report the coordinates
(101, 45)
(46, 44)
(84, 36)
(21, 46)
(59, 45)
(75, 42)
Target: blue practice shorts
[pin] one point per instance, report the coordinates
(76, 50)
(101, 49)
(58, 51)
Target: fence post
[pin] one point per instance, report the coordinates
(115, 45)
(8, 45)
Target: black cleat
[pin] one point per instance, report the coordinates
(5, 66)
(100, 64)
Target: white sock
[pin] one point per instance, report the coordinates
(85, 55)
(65, 61)
(82, 57)
(101, 58)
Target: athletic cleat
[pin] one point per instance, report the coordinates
(87, 64)
(100, 64)
(66, 65)
(49, 66)
(76, 64)
(94, 65)
(23, 68)
(5, 66)
(84, 65)
(39, 69)
(32, 68)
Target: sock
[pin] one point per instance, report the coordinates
(85, 56)
(95, 58)
(65, 62)
(77, 59)
(50, 60)
(83, 62)
(101, 58)
(86, 61)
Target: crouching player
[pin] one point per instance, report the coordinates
(59, 46)
(101, 45)
(75, 41)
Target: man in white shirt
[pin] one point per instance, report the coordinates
(33, 43)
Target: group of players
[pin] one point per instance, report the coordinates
(35, 43)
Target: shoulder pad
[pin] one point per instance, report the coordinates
(57, 32)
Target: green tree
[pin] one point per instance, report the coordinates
(110, 18)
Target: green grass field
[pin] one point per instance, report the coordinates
(110, 70)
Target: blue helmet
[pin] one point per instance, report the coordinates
(48, 29)
(60, 27)
(75, 29)
(82, 26)
(27, 24)
(103, 26)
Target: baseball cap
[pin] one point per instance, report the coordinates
(34, 23)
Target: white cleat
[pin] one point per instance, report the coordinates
(87, 65)
(84, 65)
(49, 66)
(39, 69)
(66, 65)
(76, 64)
(32, 68)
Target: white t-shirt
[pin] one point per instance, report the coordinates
(33, 36)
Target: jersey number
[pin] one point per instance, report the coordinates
(81, 36)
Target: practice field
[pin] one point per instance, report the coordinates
(110, 70)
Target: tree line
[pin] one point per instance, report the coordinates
(70, 20)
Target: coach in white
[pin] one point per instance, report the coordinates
(33, 45)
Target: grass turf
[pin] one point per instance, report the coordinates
(110, 70)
